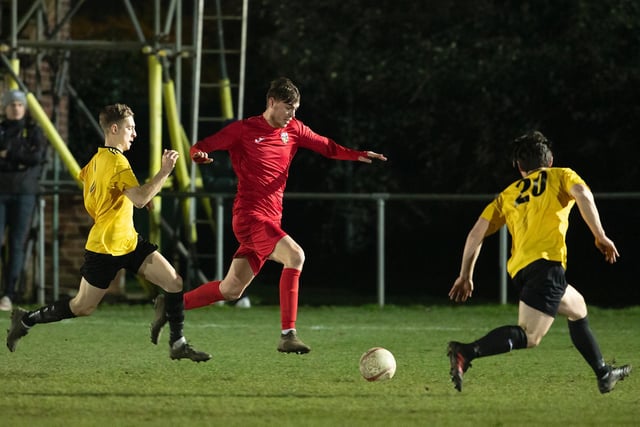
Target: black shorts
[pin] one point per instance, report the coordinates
(100, 269)
(542, 285)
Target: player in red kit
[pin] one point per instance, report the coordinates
(261, 149)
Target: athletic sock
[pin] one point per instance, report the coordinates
(585, 342)
(174, 307)
(203, 295)
(54, 312)
(498, 341)
(289, 283)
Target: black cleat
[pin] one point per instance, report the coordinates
(160, 319)
(459, 363)
(613, 375)
(185, 351)
(290, 343)
(17, 329)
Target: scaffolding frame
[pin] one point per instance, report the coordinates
(158, 52)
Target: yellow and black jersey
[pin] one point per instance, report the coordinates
(105, 178)
(536, 211)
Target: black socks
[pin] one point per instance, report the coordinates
(500, 340)
(174, 307)
(585, 342)
(55, 312)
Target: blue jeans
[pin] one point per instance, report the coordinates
(16, 211)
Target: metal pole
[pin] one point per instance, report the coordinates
(503, 264)
(41, 254)
(243, 59)
(381, 254)
(198, 10)
(134, 21)
(197, 62)
(219, 237)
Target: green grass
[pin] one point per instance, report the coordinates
(103, 371)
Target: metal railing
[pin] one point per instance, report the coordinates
(379, 200)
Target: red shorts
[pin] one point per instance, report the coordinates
(257, 238)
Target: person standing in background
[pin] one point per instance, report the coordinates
(23, 149)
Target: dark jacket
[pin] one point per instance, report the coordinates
(26, 154)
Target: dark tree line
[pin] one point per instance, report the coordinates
(444, 86)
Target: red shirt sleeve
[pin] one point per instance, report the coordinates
(325, 146)
(224, 139)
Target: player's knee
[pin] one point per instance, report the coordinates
(576, 309)
(233, 293)
(533, 340)
(81, 310)
(174, 285)
(296, 258)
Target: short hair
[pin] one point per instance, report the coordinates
(114, 114)
(532, 151)
(283, 89)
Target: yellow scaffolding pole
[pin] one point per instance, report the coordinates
(155, 142)
(184, 181)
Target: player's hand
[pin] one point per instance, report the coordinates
(461, 290)
(169, 159)
(372, 155)
(608, 248)
(201, 157)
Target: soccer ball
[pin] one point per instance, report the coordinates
(377, 364)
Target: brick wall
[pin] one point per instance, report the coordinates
(73, 228)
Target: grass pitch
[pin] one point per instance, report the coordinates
(103, 371)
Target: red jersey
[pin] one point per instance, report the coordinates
(261, 155)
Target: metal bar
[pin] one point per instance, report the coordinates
(85, 110)
(219, 237)
(14, 28)
(25, 18)
(502, 261)
(197, 43)
(134, 21)
(64, 19)
(243, 59)
(83, 44)
(169, 18)
(381, 253)
(223, 62)
(41, 251)
(198, 6)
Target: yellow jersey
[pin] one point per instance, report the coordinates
(536, 211)
(105, 178)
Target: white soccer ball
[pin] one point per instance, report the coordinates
(377, 364)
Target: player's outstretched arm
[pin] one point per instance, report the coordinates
(589, 211)
(142, 195)
(371, 155)
(462, 288)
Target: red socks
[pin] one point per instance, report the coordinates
(209, 292)
(289, 281)
(203, 295)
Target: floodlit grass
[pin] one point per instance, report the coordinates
(103, 370)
